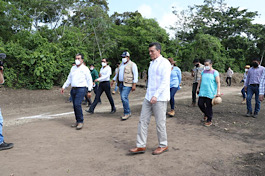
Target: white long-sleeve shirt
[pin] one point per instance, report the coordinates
(79, 77)
(159, 79)
(105, 74)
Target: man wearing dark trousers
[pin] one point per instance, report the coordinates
(3, 144)
(94, 74)
(104, 86)
(196, 73)
(81, 82)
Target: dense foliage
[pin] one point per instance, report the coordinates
(41, 38)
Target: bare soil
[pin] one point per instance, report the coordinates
(38, 123)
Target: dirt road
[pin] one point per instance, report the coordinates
(38, 122)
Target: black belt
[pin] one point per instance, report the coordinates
(255, 85)
(77, 87)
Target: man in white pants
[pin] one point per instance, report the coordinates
(157, 95)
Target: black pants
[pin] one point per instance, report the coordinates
(205, 104)
(95, 91)
(228, 81)
(194, 88)
(103, 87)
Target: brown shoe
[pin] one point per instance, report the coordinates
(171, 113)
(79, 126)
(160, 150)
(137, 150)
(244, 101)
(74, 125)
(208, 124)
(204, 119)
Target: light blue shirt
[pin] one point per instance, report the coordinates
(175, 77)
(208, 87)
(121, 72)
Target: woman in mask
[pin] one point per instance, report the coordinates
(208, 88)
(175, 80)
(104, 86)
(244, 80)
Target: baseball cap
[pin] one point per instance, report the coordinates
(125, 53)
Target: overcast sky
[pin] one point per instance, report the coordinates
(161, 10)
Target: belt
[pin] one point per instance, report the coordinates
(255, 85)
(77, 87)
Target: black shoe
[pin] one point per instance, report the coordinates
(249, 114)
(90, 112)
(5, 146)
(255, 115)
(113, 111)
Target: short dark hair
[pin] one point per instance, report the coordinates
(158, 46)
(92, 65)
(196, 60)
(208, 60)
(79, 54)
(107, 60)
(256, 59)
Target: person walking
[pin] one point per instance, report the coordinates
(81, 81)
(94, 75)
(252, 86)
(229, 75)
(244, 80)
(126, 78)
(104, 86)
(175, 80)
(196, 73)
(116, 84)
(157, 95)
(262, 87)
(208, 88)
(3, 144)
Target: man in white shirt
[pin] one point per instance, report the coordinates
(126, 77)
(3, 144)
(157, 95)
(104, 86)
(81, 82)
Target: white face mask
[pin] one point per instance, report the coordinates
(91, 68)
(77, 62)
(124, 60)
(103, 64)
(246, 70)
(207, 67)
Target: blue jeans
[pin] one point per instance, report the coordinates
(124, 92)
(173, 91)
(116, 87)
(243, 92)
(1, 128)
(78, 95)
(250, 91)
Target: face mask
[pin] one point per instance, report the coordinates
(103, 64)
(77, 62)
(124, 60)
(172, 66)
(91, 68)
(246, 70)
(207, 67)
(255, 64)
(197, 65)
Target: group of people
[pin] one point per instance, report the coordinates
(164, 79)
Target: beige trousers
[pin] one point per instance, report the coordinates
(159, 110)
